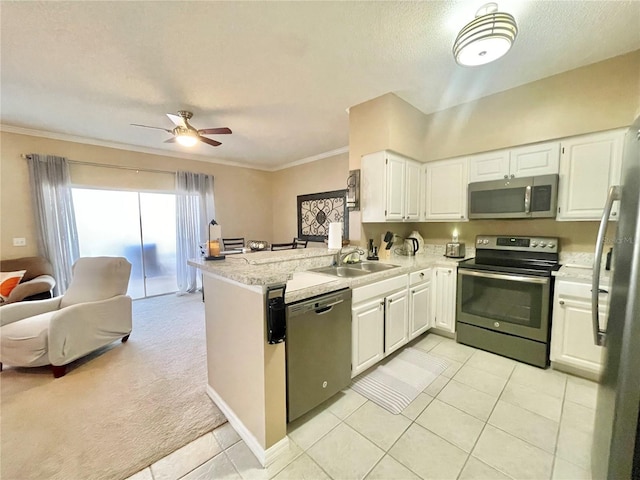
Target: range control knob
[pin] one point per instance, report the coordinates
(534, 244)
(551, 245)
(542, 244)
(485, 242)
(479, 241)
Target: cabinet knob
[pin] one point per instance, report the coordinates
(421, 274)
(613, 214)
(506, 176)
(512, 175)
(448, 271)
(390, 300)
(561, 302)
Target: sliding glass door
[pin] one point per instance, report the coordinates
(136, 225)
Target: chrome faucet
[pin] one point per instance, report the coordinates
(342, 257)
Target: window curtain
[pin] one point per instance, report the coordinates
(55, 216)
(194, 210)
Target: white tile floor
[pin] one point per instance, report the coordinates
(485, 417)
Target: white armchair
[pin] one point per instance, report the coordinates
(92, 313)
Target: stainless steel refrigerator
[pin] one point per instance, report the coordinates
(616, 442)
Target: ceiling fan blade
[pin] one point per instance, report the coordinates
(171, 140)
(209, 141)
(149, 126)
(177, 120)
(214, 131)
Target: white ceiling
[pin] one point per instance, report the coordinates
(279, 74)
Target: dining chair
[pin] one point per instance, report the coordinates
(283, 246)
(300, 243)
(231, 243)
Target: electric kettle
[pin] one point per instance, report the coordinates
(411, 246)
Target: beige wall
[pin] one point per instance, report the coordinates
(242, 195)
(602, 96)
(320, 176)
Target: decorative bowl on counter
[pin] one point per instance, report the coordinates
(257, 245)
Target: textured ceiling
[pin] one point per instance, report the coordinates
(279, 74)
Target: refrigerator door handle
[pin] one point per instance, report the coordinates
(599, 335)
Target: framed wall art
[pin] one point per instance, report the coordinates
(317, 210)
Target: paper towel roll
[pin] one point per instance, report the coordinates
(335, 235)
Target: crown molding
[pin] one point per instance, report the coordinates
(314, 158)
(122, 146)
(165, 153)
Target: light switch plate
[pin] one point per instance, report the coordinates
(19, 242)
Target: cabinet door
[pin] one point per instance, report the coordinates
(395, 195)
(446, 190)
(539, 159)
(372, 187)
(413, 181)
(396, 322)
(572, 335)
(445, 299)
(489, 166)
(419, 309)
(589, 165)
(367, 323)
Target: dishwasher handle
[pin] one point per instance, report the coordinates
(327, 308)
(318, 305)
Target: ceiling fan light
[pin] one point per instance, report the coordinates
(486, 38)
(186, 139)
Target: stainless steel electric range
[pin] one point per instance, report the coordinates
(504, 297)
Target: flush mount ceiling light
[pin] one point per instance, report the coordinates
(486, 38)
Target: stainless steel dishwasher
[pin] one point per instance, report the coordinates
(318, 349)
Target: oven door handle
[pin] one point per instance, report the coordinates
(503, 276)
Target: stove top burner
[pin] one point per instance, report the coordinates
(521, 255)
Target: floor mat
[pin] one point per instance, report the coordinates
(397, 383)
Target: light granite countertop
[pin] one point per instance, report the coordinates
(292, 267)
(579, 266)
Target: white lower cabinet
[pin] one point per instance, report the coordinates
(444, 299)
(396, 321)
(420, 311)
(379, 321)
(572, 341)
(367, 335)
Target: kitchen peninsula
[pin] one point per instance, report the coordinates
(246, 374)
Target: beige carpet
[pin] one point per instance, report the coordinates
(117, 411)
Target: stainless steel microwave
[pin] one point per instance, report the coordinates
(527, 197)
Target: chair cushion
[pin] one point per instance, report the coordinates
(9, 281)
(97, 278)
(25, 343)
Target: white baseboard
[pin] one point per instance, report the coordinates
(265, 457)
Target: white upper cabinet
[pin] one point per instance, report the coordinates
(390, 187)
(445, 190)
(489, 166)
(589, 165)
(528, 161)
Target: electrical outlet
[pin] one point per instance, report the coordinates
(19, 242)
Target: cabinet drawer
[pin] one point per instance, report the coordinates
(379, 289)
(420, 276)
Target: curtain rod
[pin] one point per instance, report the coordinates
(93, 164)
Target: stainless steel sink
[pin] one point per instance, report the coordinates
(354, 269)
(371, 267)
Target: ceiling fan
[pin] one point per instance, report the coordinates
(187, 135)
